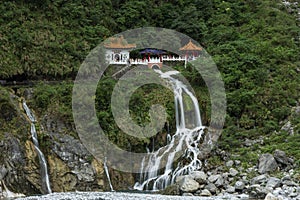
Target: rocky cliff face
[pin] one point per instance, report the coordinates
(71, 167)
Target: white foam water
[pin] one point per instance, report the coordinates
(186, 139)
(43, 164)
(107, 175)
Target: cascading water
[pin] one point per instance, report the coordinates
(43, 164)
(186, 139)
(107, 175)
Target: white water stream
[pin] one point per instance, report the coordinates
(185, 141)
(107, 175)
(43, 164)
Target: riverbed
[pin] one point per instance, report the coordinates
(126, 196)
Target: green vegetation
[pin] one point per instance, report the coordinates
(56, 99)
(254, 43)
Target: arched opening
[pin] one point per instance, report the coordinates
(155, 67)
(117, 57)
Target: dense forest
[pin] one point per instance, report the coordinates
(254, 43)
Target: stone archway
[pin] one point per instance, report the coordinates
(155, 66)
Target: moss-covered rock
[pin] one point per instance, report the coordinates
(8, 110)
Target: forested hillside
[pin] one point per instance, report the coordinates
(254, 43)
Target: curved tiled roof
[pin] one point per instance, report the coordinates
(190, 47)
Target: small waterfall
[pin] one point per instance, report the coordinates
(6, 193)
(186, 139)
(107, 175)
(43, 164)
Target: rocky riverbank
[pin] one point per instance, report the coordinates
(273, 178)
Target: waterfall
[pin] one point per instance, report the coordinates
(189, 132)
(6, 193)
(107, 175)
(43, 164)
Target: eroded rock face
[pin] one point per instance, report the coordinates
(71, 166)
(61, 177)
(13, 170)
(32, 166)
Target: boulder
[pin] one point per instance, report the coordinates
(233, 172)
(199, 176)
(237, 162)
(211, 187)
(188, 184)
(171, 190)
(205, 193)
(289, 183)
(281, 158)
(267, 163)
(257, 192)
(230, 189)
(219, 182)
(229, 163)
(178, 179)
(239, 185)
(270, 196)
(273, 182)
(260, 179)
(213, 178)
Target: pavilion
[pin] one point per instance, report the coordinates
(118, 49)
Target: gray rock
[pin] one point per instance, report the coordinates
(3, 172)
(199, 176)
(75, 155)
(178, 179)
(233, 172)
(230, 189)
(230, 179)
(229, 163)
(205, 193)
(287, 177)
(225, 176)
(187, 184)
(273, 182)
(289, 183)
(213, 178)
(219, 182)
(270, 196)
(211, 187)
(248, 142)
(293, 194)
(260, 179)
(277, 191)
(239, 185)
(288, 128)
(257, 192)
(237, 162)
(281, 158)
(266, 163)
